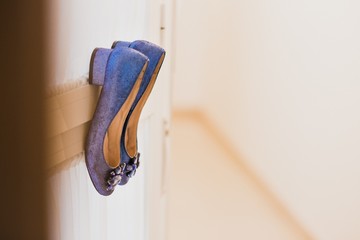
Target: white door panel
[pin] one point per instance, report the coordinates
(136, 211)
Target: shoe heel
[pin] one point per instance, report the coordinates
(98, 63)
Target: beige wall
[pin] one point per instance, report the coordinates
(281, 80)
(190, 54)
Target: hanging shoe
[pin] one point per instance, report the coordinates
(122, 71)
(128, 143)
(129, 148)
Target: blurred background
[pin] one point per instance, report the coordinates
(275, 88)
(251, 131)
(273, 85)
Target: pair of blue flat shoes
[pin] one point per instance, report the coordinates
(127, 74)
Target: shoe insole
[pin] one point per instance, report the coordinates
(131, 130)
(111, 145)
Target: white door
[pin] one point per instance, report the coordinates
(136, 211)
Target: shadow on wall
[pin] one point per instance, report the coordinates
(222, 177)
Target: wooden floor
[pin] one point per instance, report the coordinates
(212, 197)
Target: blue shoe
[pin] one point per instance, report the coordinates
(128, 143)
(122, 70)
